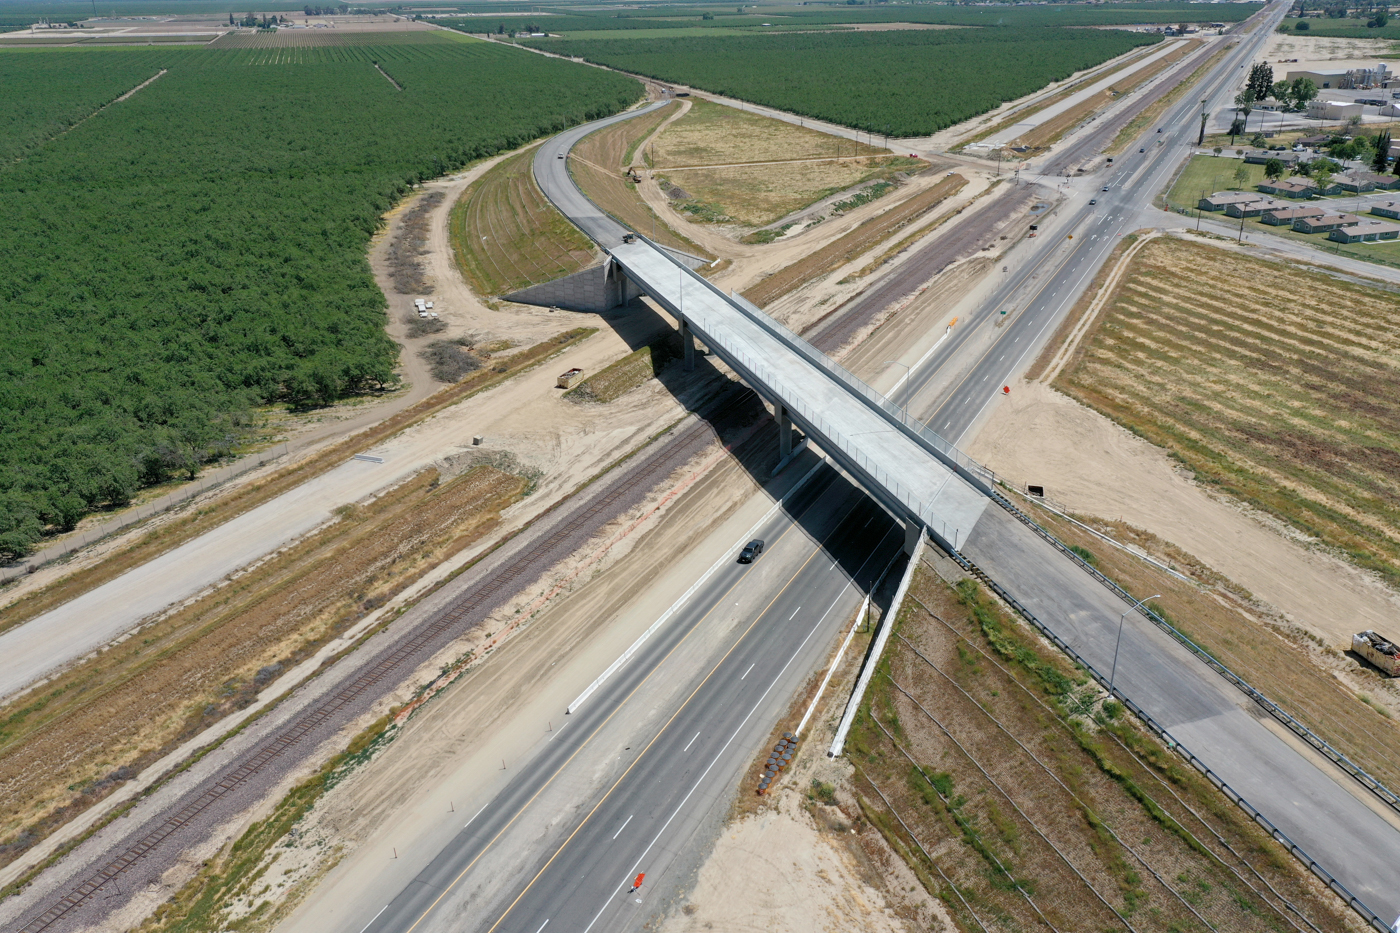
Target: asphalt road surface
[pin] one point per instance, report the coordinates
(827, 547)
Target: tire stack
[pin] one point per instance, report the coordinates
(779, 760)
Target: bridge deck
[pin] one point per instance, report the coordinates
(837, 419)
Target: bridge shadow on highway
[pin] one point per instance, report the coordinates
(740, 421)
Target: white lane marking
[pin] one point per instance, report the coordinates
(691, 742)
(474, 816)
(543, 925)
(799, 608)
(694, 587)
(751, 667)
(556, 732)
(720, 754)
(624, 825)
(376, 917)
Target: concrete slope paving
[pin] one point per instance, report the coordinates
(1202, 712)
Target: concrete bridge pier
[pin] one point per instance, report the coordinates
(913, 532)
(688, 341)
(784, 431)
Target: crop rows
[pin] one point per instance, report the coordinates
(200, 247)
(1292, 405)
(906, 83)
(325, 38)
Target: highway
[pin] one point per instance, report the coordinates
(650, 809)
(825, 548)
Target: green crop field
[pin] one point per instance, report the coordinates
(200, 247)
(913, 82)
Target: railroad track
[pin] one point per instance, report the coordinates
(242, 782)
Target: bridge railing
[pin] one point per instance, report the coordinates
(979, 475)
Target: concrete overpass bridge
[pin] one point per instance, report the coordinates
(916, 475)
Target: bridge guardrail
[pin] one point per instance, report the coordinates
(1381, 792)
(1318, 870)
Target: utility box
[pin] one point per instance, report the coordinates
(569, 379)
(1382, 652)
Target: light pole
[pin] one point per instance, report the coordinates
(905, 407)
(1112, 675)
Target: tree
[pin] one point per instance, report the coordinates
(1379, 20)
(1322, 175)
(1261, 81)
(1303, 25)
(1258, 141)
(1279, 92)
(1302, 91)
(1273, 169)
(1200, 139)
(1217, 151)
(1241, 175)
(1244, 103)
(1381, 156)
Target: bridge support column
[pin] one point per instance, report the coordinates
(688, 341)
(784, 432)
(913, 532)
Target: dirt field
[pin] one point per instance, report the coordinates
(506, 235)
(859, 241)
(990, 763)
(79, 737)
(1293, 408)
(733, 166)
(599, 165)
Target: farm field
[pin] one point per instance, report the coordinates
(992, 765)
(86, 733)
(506, 235)
(171, 263)
(599, 163)
(64, 87)
(1291, 405)
(330, 38)
(736, 166)
(906, 83)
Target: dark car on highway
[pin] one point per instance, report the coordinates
(751, 551)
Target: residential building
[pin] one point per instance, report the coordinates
(1222, 199)
(1262, 156)
(1298, 187)
(1325, 223)
(1285, 216)
(1353, 182)
(1389, 209)
(1367, 231)
(1254, 208)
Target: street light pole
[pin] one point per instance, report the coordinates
(905, 407)
(1114, 674)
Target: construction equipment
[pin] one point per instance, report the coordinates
(1382, 652)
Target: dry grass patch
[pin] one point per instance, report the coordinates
(78, 738)
(713, 134)
(1277, 385)
(506, 235)
(865, 237)
(599, 166)
(634, 369)
(984, 755)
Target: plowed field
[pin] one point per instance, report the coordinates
(1276, 385)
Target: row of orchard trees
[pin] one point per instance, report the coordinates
(201, 249)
